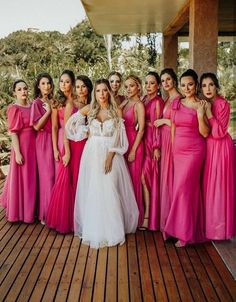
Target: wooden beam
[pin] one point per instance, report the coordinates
(179, 20)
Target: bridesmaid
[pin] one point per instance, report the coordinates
(115, 80)
(185, 220)
(150, 177)
(218, 178)
(40, 119)
(61, 209)
(134, 116)
(169, 84)
(19, 193)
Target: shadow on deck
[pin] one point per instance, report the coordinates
(37, 264)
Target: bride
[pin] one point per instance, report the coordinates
(105, 205)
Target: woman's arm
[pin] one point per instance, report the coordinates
(156, 134)
(202, 124)
(54, 119)
(67, 114)
(16, 146)
(140, 112)
(41, 122)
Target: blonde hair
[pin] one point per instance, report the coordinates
(95, 107)
(138, 81)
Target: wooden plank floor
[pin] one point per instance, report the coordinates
(37, 264)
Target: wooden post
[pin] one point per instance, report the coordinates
(170, 51)
(203, 35)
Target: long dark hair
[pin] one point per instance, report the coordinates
(212, 76)
(158, 79)
(171, 73)
(88, 83)
(60, 97)
(37, 92)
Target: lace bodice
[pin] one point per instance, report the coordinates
(76, 130)
(106, 128)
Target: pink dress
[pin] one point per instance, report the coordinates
(45, 158)
(185, 220)
(61, 208)
(19, 193)
(135, 167)
(151, 170)
(60, 144)
(166, 171)
(218, 180)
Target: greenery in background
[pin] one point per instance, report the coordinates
(24, 54)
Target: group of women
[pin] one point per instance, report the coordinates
(101, 164)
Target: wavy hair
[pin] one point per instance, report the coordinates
(37, 92)
(95, 107)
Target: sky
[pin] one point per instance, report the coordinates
(41, 14)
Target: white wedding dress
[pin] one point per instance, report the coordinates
(105, 205)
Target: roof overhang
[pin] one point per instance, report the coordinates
(132, 16)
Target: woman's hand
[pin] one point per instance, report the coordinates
(19, 158)
(56, 155)
(47, 107)
(208, 109)
(156, 154)
(108, 163)
(158, 123)
(201, 108)
(131, 156)
(66, 159)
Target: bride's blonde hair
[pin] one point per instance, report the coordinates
(95, 107)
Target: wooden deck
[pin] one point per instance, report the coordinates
(37, 264)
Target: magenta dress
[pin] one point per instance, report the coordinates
(60, 135)
(19, 193)
(45, 158)
(61, 208)
(186, 217)
(166, 174)
(135, 167)
(218, 180)
(151, 169)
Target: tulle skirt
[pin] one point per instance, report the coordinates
(105, 205)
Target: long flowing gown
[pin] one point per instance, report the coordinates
(61, 208)
(218, 180)
(45, 158)
(135, 167)
(105, 206)
(60, 135)
(19, 193)
(166, 170)
(151, 170)
(186, 217)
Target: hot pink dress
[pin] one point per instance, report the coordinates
(135, 167)
(166, 171)
(60, 135)
(61, 208)
(151, 170)
(19, 193)
(45, 158)
(185, 220)
(218, 180)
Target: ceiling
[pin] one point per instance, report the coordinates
(143, 16)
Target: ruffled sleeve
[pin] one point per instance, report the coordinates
(15, 119)
(220, 120)
(120, 140)
(37, 111)
(75, 128)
